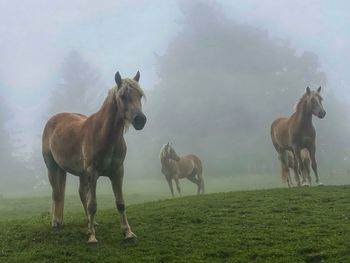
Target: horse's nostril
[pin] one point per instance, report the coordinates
(322, 114)
(139, 121)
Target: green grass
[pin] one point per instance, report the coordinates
(274, 225)
(17, 205)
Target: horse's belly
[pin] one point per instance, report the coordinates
(67, 154)
(73, 164)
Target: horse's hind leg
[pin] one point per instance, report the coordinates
(193, 179)
(57, 178)
(284, 169)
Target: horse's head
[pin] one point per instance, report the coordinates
(314, 102)
(130, 93)
(170, 153)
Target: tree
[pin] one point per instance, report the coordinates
(79, 86)
(12, 168)
(221, 86)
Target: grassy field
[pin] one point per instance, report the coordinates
(17, 205)
(273, 225)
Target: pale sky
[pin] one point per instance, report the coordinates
(115, 35)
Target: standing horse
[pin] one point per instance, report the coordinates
(90, 147)
(175, 167)
(297, 132)
(305, 158)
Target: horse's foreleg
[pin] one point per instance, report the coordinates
(82, 193)
(170, 182)
(91, 204)
(178, 185)
(117, 186)
(312, 151)
(296, 174)
(299, 162)
(57, 178)
(307, 171)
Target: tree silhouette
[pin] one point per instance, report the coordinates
(222, 84)
(12, 168)
(79, 86)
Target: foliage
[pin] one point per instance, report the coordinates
(278, 225)
(79, 87)
(9, 163)
(222, 84)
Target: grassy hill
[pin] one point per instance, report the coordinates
(277, 225)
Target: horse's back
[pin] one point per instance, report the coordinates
(196, 160)
(61, 122)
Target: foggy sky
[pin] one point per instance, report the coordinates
(127, 35)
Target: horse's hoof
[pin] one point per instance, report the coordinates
(56, 225)
(92, 240)
(320, 184)
(305, 185)
(130, 237)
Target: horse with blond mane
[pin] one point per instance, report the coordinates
(297, 132)
(175, 167)
(90, 147)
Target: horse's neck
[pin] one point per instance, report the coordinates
(164, 161)
(303, 117)
(109, 122)
(167, 163)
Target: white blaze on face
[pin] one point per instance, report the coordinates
(169, 150)
(318, 105)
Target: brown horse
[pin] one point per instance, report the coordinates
(175, 167)
(90, 147)
(292, 164)
(297, 132)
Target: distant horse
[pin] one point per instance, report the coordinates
(175, 167)
(90, 147)
(297, 132)
(305, 158)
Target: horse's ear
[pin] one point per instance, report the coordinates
(308, 90)
(319, 89)
(118, 79)
(137, 76)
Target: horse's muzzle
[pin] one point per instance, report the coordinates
(139, 121)
(322, 114)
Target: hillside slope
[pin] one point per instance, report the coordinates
(277, 225)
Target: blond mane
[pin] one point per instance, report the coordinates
(162, 152)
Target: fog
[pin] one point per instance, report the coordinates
(215, 74)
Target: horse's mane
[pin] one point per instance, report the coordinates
(162, 151)
(299, 103)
